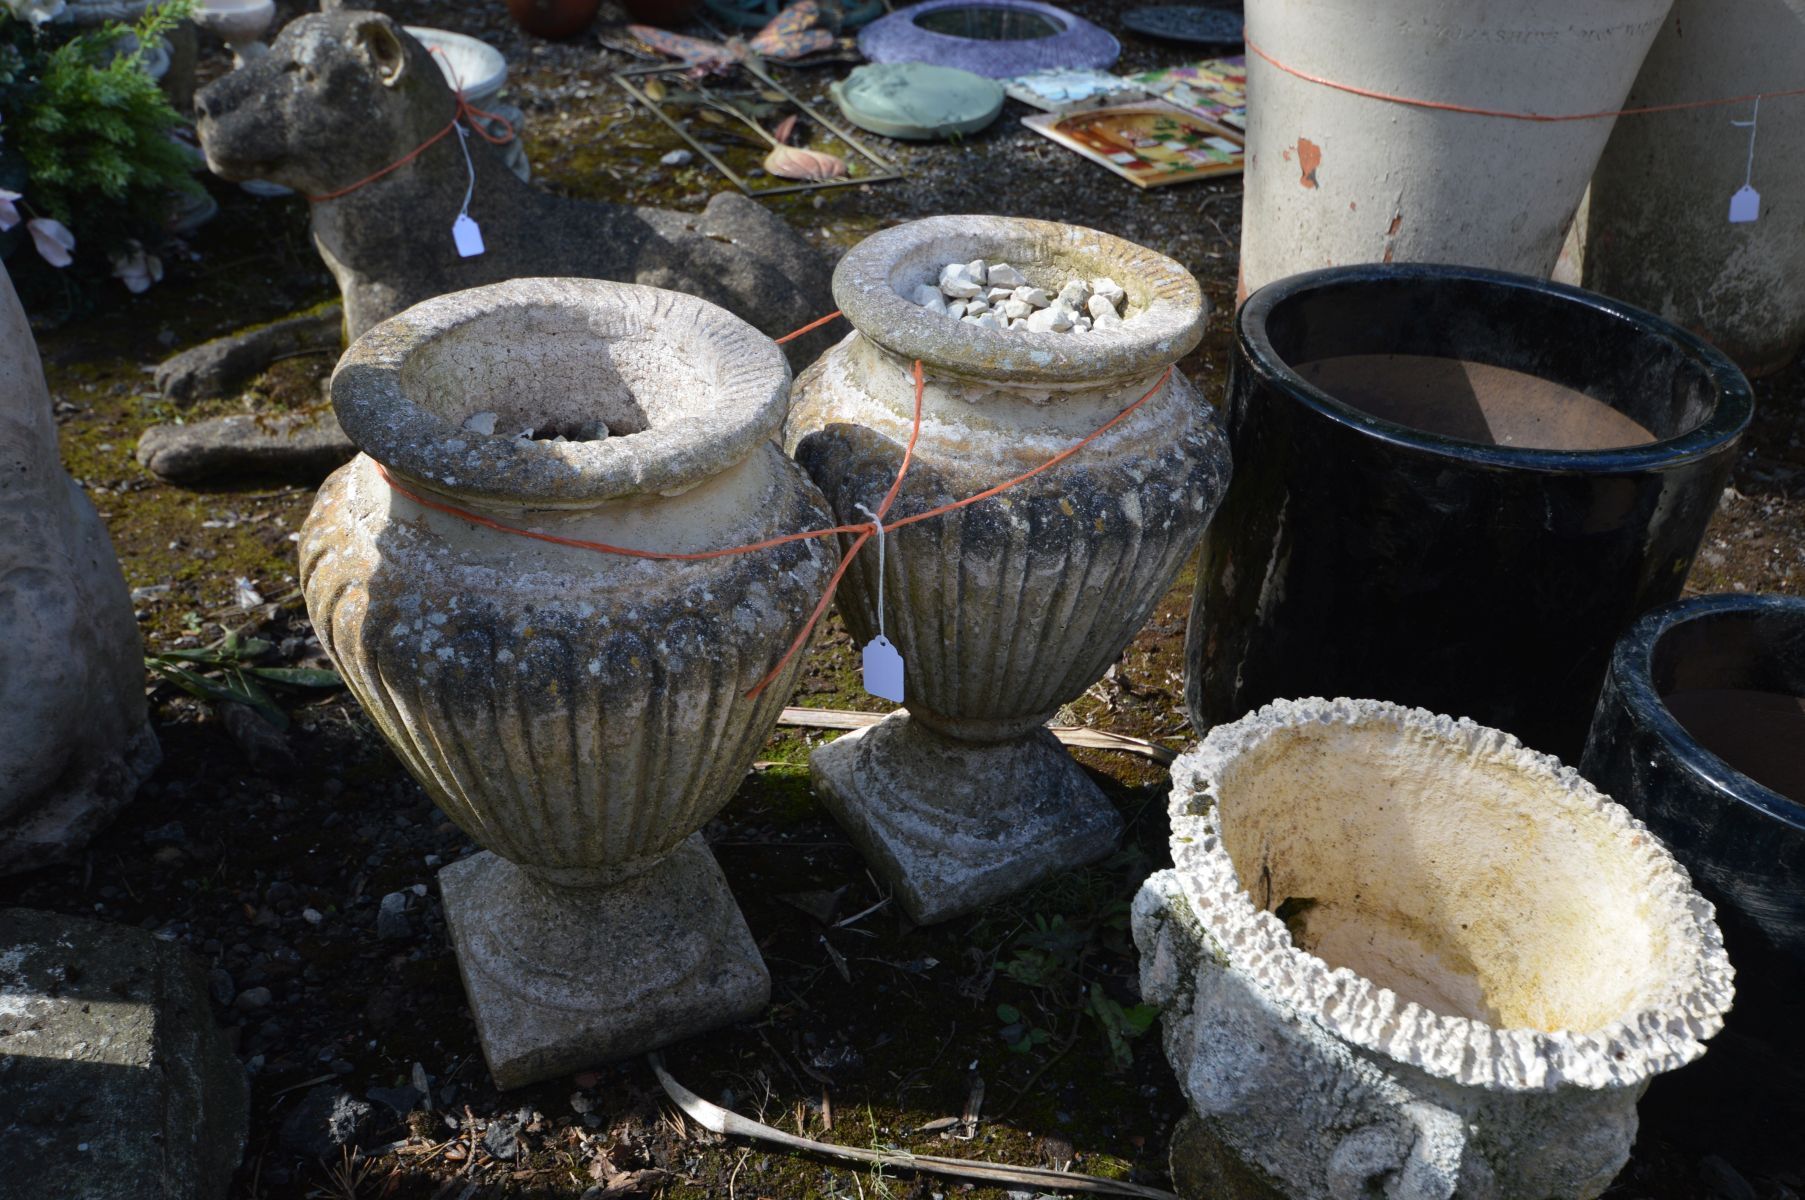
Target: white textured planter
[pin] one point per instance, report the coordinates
(581, 715)
(1334, 178)
(1657, 231)
(1013, 606)
(1485, 959)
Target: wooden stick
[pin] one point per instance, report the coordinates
(1071, 735)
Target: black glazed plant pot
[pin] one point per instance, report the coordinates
(1453, 488)
(1700, 732)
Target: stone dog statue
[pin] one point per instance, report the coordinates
(343, 94)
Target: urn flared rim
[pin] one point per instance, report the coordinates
(692, 388)
(1164, 317)
(1732, 402)
(1633, 673)
(1663, 1031)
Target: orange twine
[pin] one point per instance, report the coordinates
(464, 109)
(864, 529)
(1444, 106)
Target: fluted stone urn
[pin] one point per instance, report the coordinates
(1009, 608)
(1401, 955)
(579, 714)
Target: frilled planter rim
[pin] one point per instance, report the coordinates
(1589, 315)
(1633, 670)
(1664, 1033)
(1163, 319)
(686, 388)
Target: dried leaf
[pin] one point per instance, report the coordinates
(773, 97)
(712, 117)
(783, 130)
(796, 162)
(655, 90)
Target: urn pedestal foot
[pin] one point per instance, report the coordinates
(952, 825)
(561, 978)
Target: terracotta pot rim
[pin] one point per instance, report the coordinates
(1665, 1031)
(1632, 670)
(1166, 308)
(1732, 408)
(746, 400)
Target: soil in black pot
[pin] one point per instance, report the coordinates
(1475, 402)
(1760, 733)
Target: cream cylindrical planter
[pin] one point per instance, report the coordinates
(1008, 608)
(1399, 954)
(1335, 178)
(579, 714)
(1658, 232)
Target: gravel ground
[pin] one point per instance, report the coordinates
(299, 867)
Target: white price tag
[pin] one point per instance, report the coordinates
(468, 237)
(883, 669)
(1745, 205)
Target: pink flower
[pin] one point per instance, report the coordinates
(53, 240)
(9, 212)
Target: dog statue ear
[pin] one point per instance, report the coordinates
(380, 46)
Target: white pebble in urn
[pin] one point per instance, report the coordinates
(972, 290)
(956, 280)
(1005, 276)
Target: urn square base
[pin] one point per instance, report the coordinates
(562, 978)
(953, 825)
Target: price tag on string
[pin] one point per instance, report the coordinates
(468, 236)
(465, 233)
(883, 669)
(1745, 204)
(883, 662)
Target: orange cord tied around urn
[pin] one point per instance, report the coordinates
(864, 529)
(1506, 114)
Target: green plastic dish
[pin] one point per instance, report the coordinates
(917, 101)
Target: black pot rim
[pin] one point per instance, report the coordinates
(1632, 670)
(1730, 415)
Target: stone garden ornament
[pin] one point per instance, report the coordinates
(579, 714)
(1334, 177)
(75, 741)
(1009, 608)
(344, 96)
(1401, 955)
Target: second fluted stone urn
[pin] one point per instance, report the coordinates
(579, 714)
(1009, 608)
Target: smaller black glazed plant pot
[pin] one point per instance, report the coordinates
(1700, 732)
(1453, 488)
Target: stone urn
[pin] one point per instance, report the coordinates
(1401, 954)
(1013, 606)
(1657, 232)
(1336, 178)
(579, 714)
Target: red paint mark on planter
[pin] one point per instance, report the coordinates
(1309, 157)
(1395, 222)
(1351, 206)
